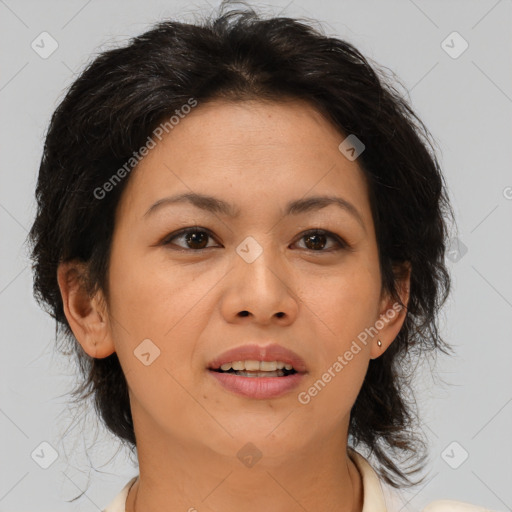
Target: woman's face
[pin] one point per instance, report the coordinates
(254, 278)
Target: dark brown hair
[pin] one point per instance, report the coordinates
(125, 93)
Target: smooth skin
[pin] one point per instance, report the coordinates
(189, 301)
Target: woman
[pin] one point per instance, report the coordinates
(241, 232)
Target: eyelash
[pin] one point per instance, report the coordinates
(196, 229)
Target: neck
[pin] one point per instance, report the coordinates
(177, 475)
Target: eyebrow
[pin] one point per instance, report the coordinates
(218, 206)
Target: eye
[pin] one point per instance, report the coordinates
(316, 240)
(196, 238)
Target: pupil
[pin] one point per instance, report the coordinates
(193, 238)
(317, 245)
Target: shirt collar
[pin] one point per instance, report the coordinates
(372, 490)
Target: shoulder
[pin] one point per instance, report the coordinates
(453, 506)
(118, 504)
(395, 502)
(381, 497)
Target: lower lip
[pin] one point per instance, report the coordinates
(258, 387)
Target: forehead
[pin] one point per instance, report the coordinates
(253, 152)
(255, 126)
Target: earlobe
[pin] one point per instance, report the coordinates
(392, 314)
(87, 316)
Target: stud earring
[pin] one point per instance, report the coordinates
(379, 343)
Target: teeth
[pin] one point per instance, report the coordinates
(252, 365)
(278, 373)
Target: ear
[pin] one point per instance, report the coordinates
(392, 314)
(87, 316)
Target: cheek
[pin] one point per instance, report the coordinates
(149, 297)
(346, 301)
(333, 390)
(161, 303)
(343, 311)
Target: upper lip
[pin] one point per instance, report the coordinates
(272, 352)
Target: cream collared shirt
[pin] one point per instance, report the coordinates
(378, 497)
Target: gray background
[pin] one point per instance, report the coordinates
(466, 102)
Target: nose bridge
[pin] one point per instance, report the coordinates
(259, 285)
(259, 261)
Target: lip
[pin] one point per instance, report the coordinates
(258, 387)
(272, 352)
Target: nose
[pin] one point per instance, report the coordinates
(260, 289)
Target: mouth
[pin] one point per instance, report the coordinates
(260, 372)
(255, 359)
